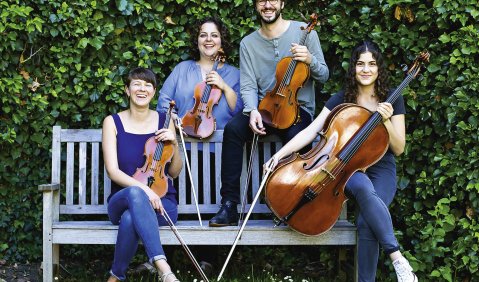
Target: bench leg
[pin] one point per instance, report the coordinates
(342, 260)
(51, 252)
(47, 261)
(51, 261)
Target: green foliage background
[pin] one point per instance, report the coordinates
(62, 63)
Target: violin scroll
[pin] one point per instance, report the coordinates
(220, 56)
(312, 23)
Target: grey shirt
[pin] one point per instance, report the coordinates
(258, 59)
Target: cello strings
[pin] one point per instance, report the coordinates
(372, 123)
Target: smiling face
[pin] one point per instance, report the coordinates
(269, 11)
(140, 92)
(366, 69)
(209, 40)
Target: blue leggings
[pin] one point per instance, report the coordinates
(130, 208)
(373, 192)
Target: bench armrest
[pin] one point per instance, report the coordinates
(48, 187)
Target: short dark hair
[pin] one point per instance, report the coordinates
(225, 44)
(142, 74)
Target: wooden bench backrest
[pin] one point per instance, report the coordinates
(78, 166)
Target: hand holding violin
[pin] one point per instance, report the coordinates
(301, 53)
(213, 78)
(164, 134)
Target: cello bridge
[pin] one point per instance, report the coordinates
(328, 173)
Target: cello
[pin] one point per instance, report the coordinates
(279, 107)
(307, 191)
(158, 155)
(199, 122)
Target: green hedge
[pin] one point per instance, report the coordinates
(62, 63)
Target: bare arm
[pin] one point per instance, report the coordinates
(397, 133)
(170, 135)
(395, 126)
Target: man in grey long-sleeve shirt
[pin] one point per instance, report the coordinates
(260, 52)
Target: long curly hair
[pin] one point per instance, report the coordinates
(381, 85)
(225, 44)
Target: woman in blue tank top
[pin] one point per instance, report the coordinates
(133, 205)
(373, 190)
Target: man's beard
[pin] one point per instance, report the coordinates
(277, 13)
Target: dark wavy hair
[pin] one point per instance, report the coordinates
(225, 44)
(381, 85)
(143, 74)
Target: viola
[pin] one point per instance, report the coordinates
(199, 122)
(157, 154)
(307, 191)
(279, 107)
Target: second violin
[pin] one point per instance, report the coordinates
(199, 122)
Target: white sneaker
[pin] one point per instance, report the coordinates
(404, 270)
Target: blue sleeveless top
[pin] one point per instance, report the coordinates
(130, 149)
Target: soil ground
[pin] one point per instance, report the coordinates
(14, 272)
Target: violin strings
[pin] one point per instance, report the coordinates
(291, 66)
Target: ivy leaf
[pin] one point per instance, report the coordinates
(121, 5)
(96, 42)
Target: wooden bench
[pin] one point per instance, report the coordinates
(80, 186)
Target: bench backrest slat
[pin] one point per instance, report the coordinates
(70, 172)
(95, 161)
(82, 174)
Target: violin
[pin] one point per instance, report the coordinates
(279, 107)
(157, 154)
(199, 122)
(307, 191)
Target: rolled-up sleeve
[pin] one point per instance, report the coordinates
(319, 69)
(248, 85)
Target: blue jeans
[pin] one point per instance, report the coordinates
(236, 133)
(130, 208)
(373, 192)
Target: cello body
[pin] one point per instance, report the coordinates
(307, 191)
